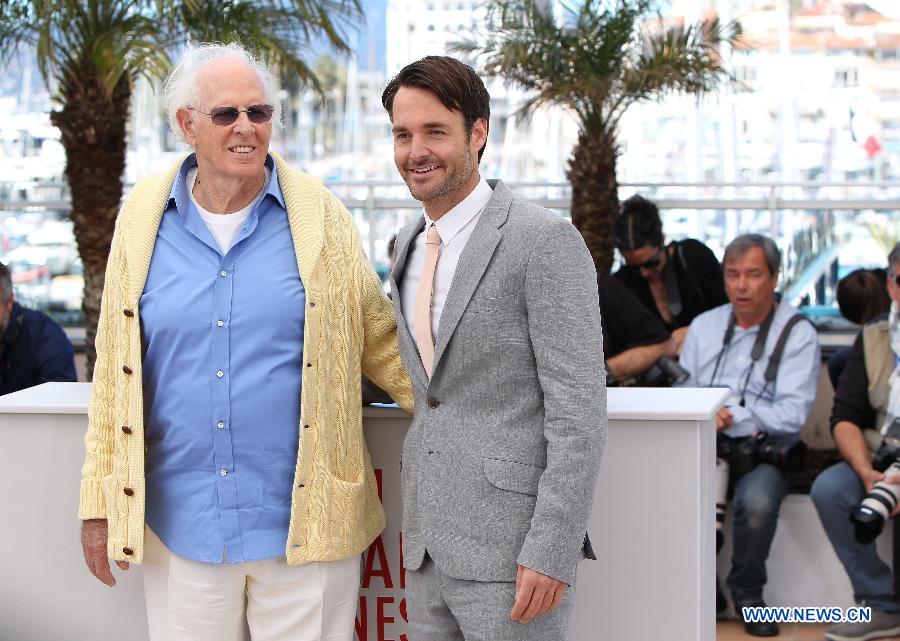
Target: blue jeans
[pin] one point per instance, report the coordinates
(757, 499)
(835, 492)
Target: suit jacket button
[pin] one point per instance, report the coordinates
(128, 551)
(433, 403)
(128, 491)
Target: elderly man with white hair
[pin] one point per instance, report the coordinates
(225, 448)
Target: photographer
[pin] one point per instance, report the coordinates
(755, 346)
(633, 338)
(866, 402)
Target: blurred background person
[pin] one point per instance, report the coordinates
(676, 282)
(634, 340)
(866, 407)
(862, 295)
(33, 348)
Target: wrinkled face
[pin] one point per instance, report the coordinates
(648, 260)
(237, 150)
(893, 287)
(749, 285)
(433, 152)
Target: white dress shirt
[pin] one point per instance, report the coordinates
(455, 227)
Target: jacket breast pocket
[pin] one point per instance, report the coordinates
(513, 476)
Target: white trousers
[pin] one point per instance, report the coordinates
(193, 601)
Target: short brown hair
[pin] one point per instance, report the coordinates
(455, 84)
(862, 295)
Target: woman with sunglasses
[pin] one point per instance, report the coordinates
(225, 449)
(676, 282)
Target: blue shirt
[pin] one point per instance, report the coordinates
(33, 350)
(222, 364)
(779, 408)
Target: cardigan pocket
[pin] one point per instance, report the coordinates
(345, 501)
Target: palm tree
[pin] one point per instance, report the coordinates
(90, 52)
(597, 61)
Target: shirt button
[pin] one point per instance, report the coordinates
(220, 373)
(223, 472)
(220, 323)
(223, 273)
(220, 425)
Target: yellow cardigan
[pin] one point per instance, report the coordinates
(349, 329)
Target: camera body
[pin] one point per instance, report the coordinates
(870, 515)
(663, 373)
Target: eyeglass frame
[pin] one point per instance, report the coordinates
(233, 113)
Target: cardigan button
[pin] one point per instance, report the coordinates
(129, 313)
(128, 491)
(126, 429)
(126, 369)
(128, 551)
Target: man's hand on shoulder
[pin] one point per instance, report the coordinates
(94, 533)
(536, 594)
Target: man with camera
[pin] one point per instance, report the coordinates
(760, 349)
(866, 414)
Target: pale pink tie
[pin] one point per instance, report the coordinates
(422, 310)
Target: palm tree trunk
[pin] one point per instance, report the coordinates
(92, 126)
(595, 195)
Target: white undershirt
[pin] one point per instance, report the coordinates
(223, 227)
(455, 227)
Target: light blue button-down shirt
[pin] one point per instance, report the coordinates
(779, 408)
(222, 365)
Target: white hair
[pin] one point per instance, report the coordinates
(180, 88)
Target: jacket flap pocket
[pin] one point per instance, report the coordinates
(513, 476)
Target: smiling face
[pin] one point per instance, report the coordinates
(236, 151)
(750, 286)
(433, 152)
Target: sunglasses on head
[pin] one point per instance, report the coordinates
(257, 114)
(649, 263)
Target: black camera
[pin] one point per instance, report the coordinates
(875, 509)
(744, 454)
(663, 373)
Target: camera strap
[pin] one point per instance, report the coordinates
(759, 345)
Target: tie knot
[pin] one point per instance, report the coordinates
(433, 237)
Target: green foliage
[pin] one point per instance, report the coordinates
(115, 39)
(601, 57)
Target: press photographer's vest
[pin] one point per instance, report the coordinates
(879, 359)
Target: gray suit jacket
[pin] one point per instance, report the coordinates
(500, 461)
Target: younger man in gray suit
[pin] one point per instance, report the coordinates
(499, 329)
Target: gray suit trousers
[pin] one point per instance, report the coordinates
(442, 608)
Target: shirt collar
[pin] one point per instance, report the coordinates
(451, 223)
(180, 198)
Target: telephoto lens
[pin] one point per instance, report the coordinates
(874, 510)
(721, 500)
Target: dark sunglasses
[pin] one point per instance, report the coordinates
(897, 280)
(224, 116)
(651, 263)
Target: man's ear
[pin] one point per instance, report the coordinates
(479, 134)
(186, 123)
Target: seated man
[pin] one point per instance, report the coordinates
(866, 401)
(33, 348)
(733, 346)
(633, 338)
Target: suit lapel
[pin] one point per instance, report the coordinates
(405, 239)
(472, 264)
